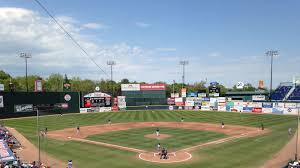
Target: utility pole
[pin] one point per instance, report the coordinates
(26, 56)
(183, 63)
(271, 53)
(111, 64)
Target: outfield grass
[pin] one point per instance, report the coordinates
(135, 138)
(244, 153)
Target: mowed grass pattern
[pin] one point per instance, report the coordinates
(243, 153)
(135, 138)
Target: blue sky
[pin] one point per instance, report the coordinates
(223, 41)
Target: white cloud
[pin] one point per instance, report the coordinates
(166, 49)
(52, 51)
(215, 54)
(94, 26)
(142, 24)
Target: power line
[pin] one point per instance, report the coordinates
(69, 35)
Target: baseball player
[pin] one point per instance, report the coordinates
(46, 130)
(182, 119)
(78, 129)
(157, 132)
(109, 121)
(70, 164)
(290, 131)
(158, 147)
(222, 125)
(262, 126)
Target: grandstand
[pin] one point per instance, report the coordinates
(287, 91)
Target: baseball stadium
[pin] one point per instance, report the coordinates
(149, 84)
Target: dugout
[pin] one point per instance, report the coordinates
(144, 94)
(248, 96)
(21, 104)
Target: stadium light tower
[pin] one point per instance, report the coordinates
(183, 63)
(271, 53)
(111, 64)
(26, 56)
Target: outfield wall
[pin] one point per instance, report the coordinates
(20, 104)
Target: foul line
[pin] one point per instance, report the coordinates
(109, 145)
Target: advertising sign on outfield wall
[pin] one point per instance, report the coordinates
(159, 86)
(267, 105)
(201, 94)
(258, 97)
(1, 102)
(257, 104)
(130, 87)
(257, 110)
(290, 105)
(290, 111)
(121, 102)
(189, 103)
(267, 110)
(247, 109)
(298, 105)
(178, 99)
(171, 101)
(23, 108)
(221, 99)
(171, 108)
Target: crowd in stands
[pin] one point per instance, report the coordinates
(294, 164)
(13, 144)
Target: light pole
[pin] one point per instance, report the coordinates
(38, 135)
(111, 64)
(26, 56)
(183, 63)
(271, 53)
(296, 154)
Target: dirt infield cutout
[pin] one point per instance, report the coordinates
(161, 136)
(233, 131)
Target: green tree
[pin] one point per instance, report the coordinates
(54, 83)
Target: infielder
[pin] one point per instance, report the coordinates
(222, 125)
(182, 119)
(109, 121)
(78, 129)
(157, 132)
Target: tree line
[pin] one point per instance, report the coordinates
(54, 83)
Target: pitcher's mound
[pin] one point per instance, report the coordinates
(161, 136)
(173, 157)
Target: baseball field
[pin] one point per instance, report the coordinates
(129, 141)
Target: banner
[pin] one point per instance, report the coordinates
(267, 110)
(290, 111)
(38, 86)
(171, 101)
(267, 105)
(290, 105)
(159, 86)
(221, 99)
(257, 104)
(130, 87)
(24, 108)
(247, 109)
(183, 92)
(192, 94)
(174, 94)
(1, 87)
(258, 97)
(189, 103)
(1, 102)
(121, 102)
(201, 94)
(257, 110)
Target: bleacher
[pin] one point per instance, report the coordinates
(280, 92)
(295, 95)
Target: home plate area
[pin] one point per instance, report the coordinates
(172, 157)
